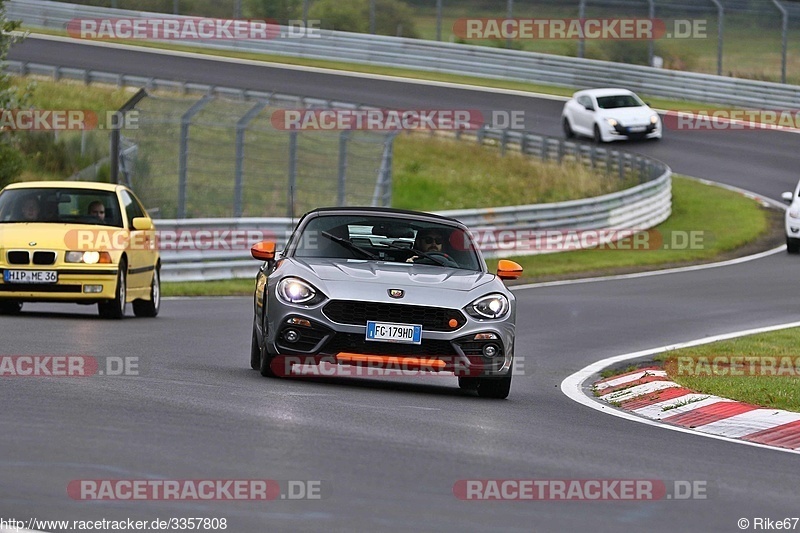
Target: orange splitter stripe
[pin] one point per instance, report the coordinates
(391, 361)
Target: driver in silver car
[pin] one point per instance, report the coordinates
(427, 240)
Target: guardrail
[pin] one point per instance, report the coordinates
(461, 59)
(637, 208)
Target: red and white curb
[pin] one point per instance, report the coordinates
(648, 392)
(644, 394)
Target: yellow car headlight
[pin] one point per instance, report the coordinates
(88, 257)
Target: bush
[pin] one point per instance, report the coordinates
(392, 17)
(619, 51)
(280, 10)
(13, 163)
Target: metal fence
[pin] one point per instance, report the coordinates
(771, 27)
(640, 207)
(215, 156)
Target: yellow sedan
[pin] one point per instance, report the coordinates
(79, 242)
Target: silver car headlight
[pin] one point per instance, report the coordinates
(295, 291)
(489, 306)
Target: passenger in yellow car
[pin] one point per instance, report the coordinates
(30, 209)
(98, 210)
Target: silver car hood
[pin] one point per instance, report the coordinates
(394, 274)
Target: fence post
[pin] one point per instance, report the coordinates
(115, 134)
(650, 45)
(292, 172)
(438, 20)
(509, 15)
(581, 39)
(720, 26)
(382, 195)
(784, 32)
(183, 154)
(341, 199)
(241, 126)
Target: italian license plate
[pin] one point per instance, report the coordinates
(30, 276)
(637, 129)
(389, 332)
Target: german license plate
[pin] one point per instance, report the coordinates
(30, 276)
(390, 332)
(637, 129)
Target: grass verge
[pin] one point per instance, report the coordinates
(762, 369)
(734, 222)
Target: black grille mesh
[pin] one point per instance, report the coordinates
(18, 258)
(358, 313)
(44, 258)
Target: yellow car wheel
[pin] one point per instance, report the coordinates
(116, 307)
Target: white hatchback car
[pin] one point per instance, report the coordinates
(793, 220)
(609, 115)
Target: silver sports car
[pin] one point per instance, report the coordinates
(384, 288)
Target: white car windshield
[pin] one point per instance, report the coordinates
(617, 101)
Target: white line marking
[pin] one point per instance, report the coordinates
(573, 385)
(679, 270)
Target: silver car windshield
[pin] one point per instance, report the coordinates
(374, 238)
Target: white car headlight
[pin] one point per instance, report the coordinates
(295, 291)
(794, 213)
(654, 119)
(489, 306)
(611, 122)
